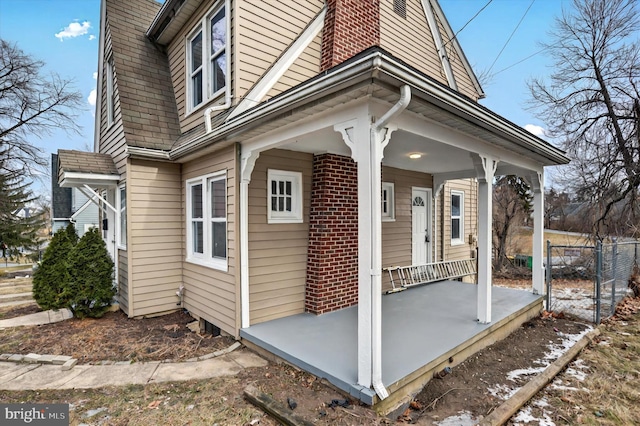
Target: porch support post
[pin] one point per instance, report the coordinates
(536, 181)
(355, 133)
(247, 163)
(485, 167)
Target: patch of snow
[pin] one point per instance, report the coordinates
(542, 402)
(518, 374)
(502, 391)
(576, 370)
(525, 416)
(463, 418)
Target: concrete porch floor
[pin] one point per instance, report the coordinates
(422, 329)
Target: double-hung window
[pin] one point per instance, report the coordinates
(207, 68)
(457, 217)
(388, 207)
(207, 220)
(110, 97)
(122, 226)
(284, 198)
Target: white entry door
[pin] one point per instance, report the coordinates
(421, 235)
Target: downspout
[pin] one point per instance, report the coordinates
(210, 110)
(379, 143)
(437, 38)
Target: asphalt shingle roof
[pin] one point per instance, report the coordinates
(143, 79)
(86, 162)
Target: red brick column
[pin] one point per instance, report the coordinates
(332, 261)
(350, 26)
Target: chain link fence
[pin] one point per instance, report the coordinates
(589, 281)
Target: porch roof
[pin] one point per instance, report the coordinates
(376, 74)
(420, 326)
(79, 168)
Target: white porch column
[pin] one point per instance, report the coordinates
(536, 180)
(247, 162)
(485, 168)
(355, 133)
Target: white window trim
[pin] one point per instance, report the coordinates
(121, 244)
(296, 197)
(205, 258)
(202, 26)
(389, 216)
(457, 241)
(110, 98)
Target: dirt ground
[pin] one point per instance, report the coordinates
(117, 338)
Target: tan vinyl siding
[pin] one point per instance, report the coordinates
(277, 252)
(154, 239)
(396, 33)
(469, 188)
(212, 294)
(123, 281)
(303, 68)
(176, 52)
(112, 138)
(264, 32)
(396, 235)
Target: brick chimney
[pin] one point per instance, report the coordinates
(350, 27)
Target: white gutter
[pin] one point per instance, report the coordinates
(380, 136)
(147, 153)
(437, 39)
(98, 109)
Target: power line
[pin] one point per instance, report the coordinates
(468, 22)
(520, 61)
(509, 39)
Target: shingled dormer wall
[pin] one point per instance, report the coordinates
(350, 27)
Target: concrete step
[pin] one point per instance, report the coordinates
(15, 289)
(16, 283)
(16, 297)
(15, 303)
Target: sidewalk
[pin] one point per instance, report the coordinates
(35, 376)
(19, 376)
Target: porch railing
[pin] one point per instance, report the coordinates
(402, 277)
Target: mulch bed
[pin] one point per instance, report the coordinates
(114, 337)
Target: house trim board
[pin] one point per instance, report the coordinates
(437, 39)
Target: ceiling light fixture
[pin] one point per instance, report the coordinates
(415, 156)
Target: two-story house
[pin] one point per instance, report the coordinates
(272, 158)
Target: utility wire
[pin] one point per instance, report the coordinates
(509, 39)
(520, 61)
(468, 22)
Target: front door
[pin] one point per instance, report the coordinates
(421, 235)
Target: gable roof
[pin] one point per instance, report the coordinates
(143, 80)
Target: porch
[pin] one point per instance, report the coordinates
(424, 329)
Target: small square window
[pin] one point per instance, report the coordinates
(388, 202)
(284, 198)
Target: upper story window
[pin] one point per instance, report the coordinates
(388, 202)
(110, 96)
(122, 205)
(457, 217)
(207, 220)
(284, 198)
(207, 68)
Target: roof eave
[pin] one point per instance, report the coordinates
(372, 66)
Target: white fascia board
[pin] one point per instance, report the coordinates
(98, 111)
(456, 45)
(377, 63)
(273, 75)
(74, 179)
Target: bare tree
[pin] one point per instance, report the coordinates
(591, 103)
(31, 105)
(512, 205)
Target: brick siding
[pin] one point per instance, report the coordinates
(350, 27)
(332, 266)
